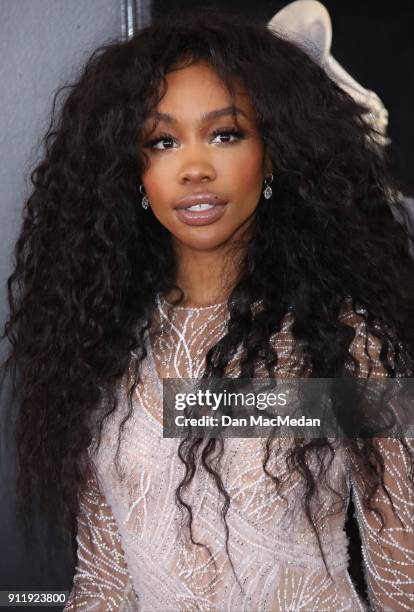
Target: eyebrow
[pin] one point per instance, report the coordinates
(215, 114)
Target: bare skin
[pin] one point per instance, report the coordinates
(191, 153)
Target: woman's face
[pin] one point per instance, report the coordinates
(198, 156)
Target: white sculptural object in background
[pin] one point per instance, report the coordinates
(308, 24)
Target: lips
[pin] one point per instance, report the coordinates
(206, 216)
(199, 198)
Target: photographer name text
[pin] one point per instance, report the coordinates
(251, 421)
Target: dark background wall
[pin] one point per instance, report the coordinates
(372, 40)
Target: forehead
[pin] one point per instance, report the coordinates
(197, 90)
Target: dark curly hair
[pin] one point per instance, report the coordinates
(89, 262)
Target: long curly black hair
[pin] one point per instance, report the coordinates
(89, 262)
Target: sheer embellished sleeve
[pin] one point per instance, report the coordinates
(388, 552)
(388, 546)
(101, 580)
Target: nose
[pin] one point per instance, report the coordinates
(196, 169)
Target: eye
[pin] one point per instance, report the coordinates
(229, 134)
(161, 139)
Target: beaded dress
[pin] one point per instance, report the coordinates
(132, 554)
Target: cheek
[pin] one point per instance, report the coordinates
(156, 181)
(247, 172)
(160, 184)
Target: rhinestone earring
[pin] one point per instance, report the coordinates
(268, 190)
(144, 201)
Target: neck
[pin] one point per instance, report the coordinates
(205, 277)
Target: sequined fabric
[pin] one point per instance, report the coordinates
(132, 554)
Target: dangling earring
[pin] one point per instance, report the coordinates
(268, 190)
(144, 201)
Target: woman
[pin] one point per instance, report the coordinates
(211, 204)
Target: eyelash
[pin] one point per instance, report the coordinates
(223, 131)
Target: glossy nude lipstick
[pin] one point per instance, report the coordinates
(200, 208)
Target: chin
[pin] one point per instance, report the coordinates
(205, 245)
(204, 241)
